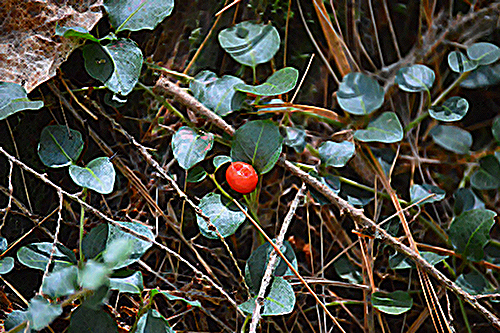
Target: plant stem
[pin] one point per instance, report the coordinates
(82, 224)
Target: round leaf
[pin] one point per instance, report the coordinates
(295, 138)
(138, 14)
(77, 32)
(98, 175)
(224, 216)
(250, 43)
(488, 175)
(453, 109)
(394, 303)
(332, 182)
(117, 64)
(483, 53)
(418, 192)
(459, 62)
(469, 232)
(16, 318)
(6, 265)
(13, 98)
(217, 94)
(481, 77)
(279, 301)
(132, 284)
(36, 255)
(279, 83)
(346, 270)
(257, 143)
(61, 283)
(86, 319)
(495, 129)
(336, 154)
(399, 261)
(474, 283)
(189, 147)
(452, 138)
(415, 78)
(359, 94)
(385, 128)
(466, 199)
(58, 147)
(153, 321)
(221, 160)
(196, 174)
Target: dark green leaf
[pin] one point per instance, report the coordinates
(98, 175)
(331, 181)
(295, 138)
(281, 300)
(279, 83)
(171, 297)
(86, 319)
(495, 129)
(196, 174)
(257, 143)
(132, 284)
(347, 271)
(453, 109)
(474, 283)
(94, 242)
(220, 160)
(189, 147)
(415, 78)
(466, 199)
(394, 303)
(217, 94)
(483, 53)
(61, 283)
(487, 177)
(59, 146)
(13, 98)
(250, 43)
(399, 261)
(77, 32)
(459, 62)
(6, 265)
(386, 128)
(359, 94)
(336, 154)
(481, 77)
(36, 255)
(355, 195)
(419, 192)
(118, 251)
(117, 64)
(257, 264)
(94, 275)
(136, 15)
(469, 232)
(41, 313)
(224, 216)
(452, 138)
(16, 318)
(3, 244)
(153, 322)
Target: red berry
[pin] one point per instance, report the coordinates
(242, 177)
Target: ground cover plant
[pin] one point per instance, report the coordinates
(251, 166)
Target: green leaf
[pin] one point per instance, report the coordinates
(394, 303)
(94, 242)
(196, 174)
(134, 15)
(469, 232)
(481, 77)
(452, 138)
(415, 78)
(77, 32)
(117, 252)
(3, 244)
(86, 319)
(279, 301)
(347, 271)
(36, 255)
(495, 129)
(279, 83)
(16, 318)
(400, 261)
(98, 175)
(336, 154)
(6, 265)
(153, 321)
(117, 64)
(474, 283)
(329, 180)
(459, 62)
(217, 94)
(224, 216)
(466, 199)
(483, 53)
(139, 246)
(61, 283)
(386, 128)
(257, 264)
(190, 147)
(257, 143)
(359, 94)
(171, 297)
(94, 275)
(41, 313)
(221, 160)
(418, 192)
(13, 98)
(59, 146)
(355, 195)
(132, 284)
(453, 109)
(295, 138)
(250, 43)
(487, 177)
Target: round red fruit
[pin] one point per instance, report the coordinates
(242, 177)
